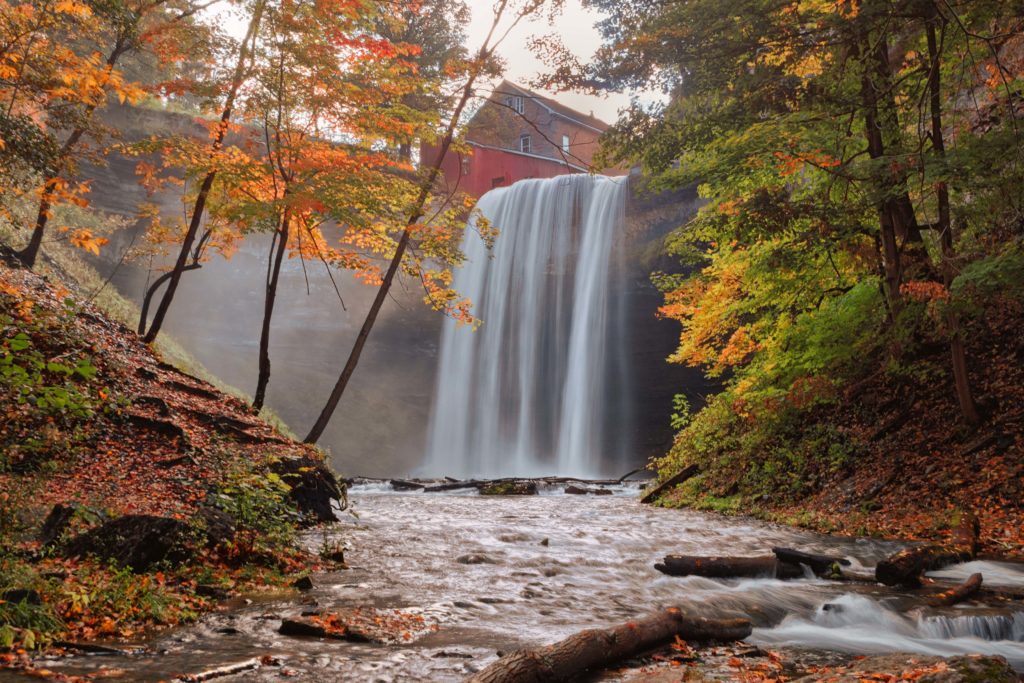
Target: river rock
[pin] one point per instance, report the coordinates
(314, 488)
(574, 490)
(474, 558)
(509, 488)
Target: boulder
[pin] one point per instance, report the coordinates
(136, 541)
(314, 488)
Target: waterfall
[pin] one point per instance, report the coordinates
(534, 389)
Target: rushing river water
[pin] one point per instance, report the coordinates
(496, 573)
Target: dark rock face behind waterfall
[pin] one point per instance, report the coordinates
(382, 427)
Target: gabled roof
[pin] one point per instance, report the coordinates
(556, 108)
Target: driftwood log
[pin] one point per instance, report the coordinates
(728, 567)
(599, 648)
(687, 473)
(821, 565)
(906, 567)
(958, 593)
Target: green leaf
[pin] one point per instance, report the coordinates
(20, 342)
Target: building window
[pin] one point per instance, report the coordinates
(565, 144)
(515, 103)
(524, 144)
(465, 165)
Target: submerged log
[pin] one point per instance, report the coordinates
(821, 565)
(220, 671)
(729, 567)
(687, 473)
(599, 648)
(958, 593)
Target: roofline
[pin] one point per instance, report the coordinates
(539, 99)
(563, 162)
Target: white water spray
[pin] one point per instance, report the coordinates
(527, 393)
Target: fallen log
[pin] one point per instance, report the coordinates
(404, 485)
(906, 567)
(686, 473)
(599, 648)
(453, 486)
(821, 565)
(729, 567)
(584, 490)
(957, 594)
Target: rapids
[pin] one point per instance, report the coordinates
(476, 566)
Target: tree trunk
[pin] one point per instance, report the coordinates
(277, 257)
(30, 253)
(687, 472)
(204, 190)
(599, 648)
(961, 380)
(153, 288)
(728, 567)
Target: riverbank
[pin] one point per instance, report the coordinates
(474, 575)
(886, 455)
(135, 495)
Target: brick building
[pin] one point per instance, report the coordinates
(519, 134)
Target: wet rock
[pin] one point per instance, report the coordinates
(513, 538)
(509, 488)
(337, 555)
(136, 541)
(574, 490)
(314, 488)
(303, 584)
(545, 542)
(474, 558)
(303, 627)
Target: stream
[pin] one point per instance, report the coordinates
(498, 573)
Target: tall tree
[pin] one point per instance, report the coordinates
(66, 85)
(506, 17)
(239, 75)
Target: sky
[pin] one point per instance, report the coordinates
(575, 26)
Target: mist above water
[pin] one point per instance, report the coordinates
(532, 390)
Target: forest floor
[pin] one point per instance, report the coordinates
(918, 468)
(132, 495)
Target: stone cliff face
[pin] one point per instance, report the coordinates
(380, 428)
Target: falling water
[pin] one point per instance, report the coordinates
(527, 393)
